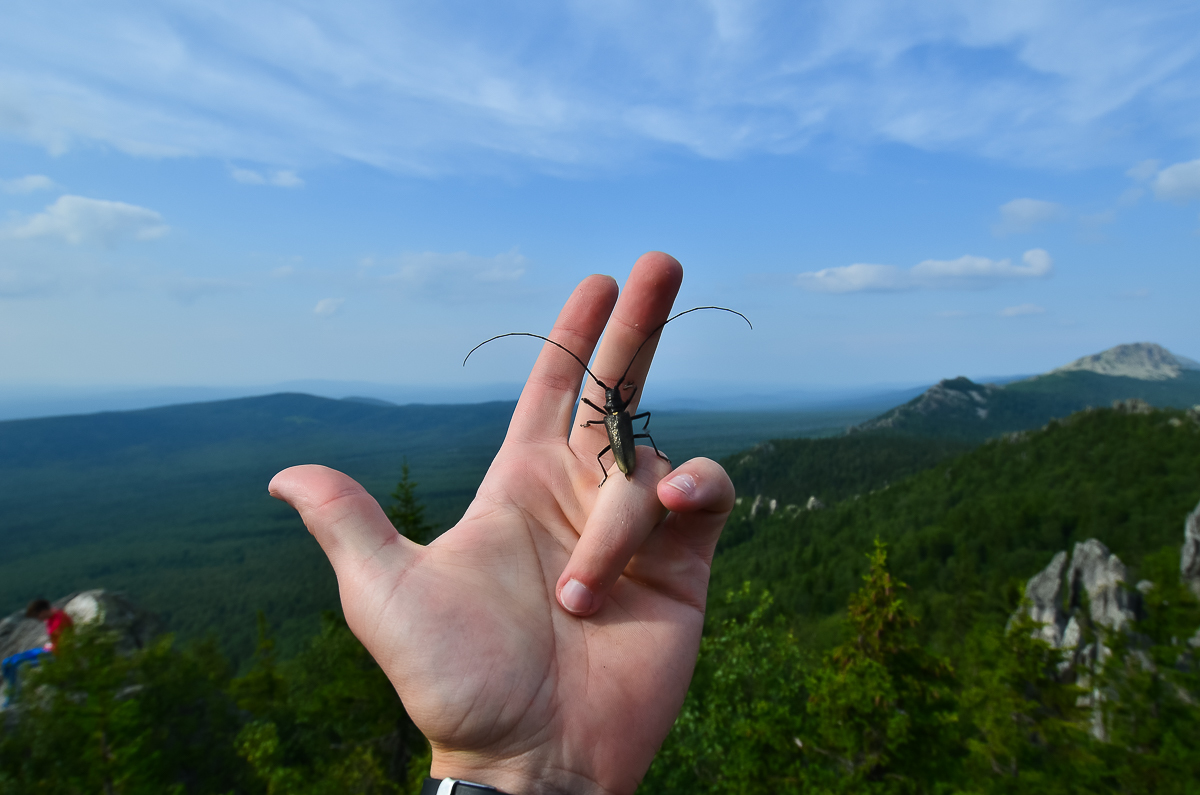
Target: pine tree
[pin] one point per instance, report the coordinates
(882, 709)
(407, 513)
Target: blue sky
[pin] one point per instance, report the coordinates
(248, 193)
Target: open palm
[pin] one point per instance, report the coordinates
(544, 643)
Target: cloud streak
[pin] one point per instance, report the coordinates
(967, 272)
(80, 220)
(28, 184)
(1178, 183)
(1024, 215)
(456, 274)
(1022, 309)
(280, 179)
(408, 88)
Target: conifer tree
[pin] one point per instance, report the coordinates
(407, 514)
(881, 709)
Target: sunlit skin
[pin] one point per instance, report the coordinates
(546, 641)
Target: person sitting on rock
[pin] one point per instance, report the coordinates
(56, 622)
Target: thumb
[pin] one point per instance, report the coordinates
(347, 522)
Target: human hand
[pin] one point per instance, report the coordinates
(544, 643)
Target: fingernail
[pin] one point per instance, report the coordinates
(683, 483)
(576, 598)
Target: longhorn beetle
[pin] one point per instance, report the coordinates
(617, 421)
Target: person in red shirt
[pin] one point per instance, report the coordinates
(56, 622)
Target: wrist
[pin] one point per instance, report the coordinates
(514, 776)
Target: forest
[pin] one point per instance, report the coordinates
(876, 644)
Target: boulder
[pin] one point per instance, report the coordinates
(1189, 559)
(134, 626)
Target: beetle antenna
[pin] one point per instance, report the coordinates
(547, 339)
(650, 336)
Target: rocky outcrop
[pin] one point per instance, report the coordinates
(1132, 406)
(1094, 577)
(1044, 594)
(1189, 559)
(1075, 604)
(956, 398)
(1101, 575)
(1142, 360)
(134, 626)
(1078, 604)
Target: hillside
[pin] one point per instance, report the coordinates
(170, 504)
(960, 408)
(963, 532)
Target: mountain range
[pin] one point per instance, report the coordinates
(962, 408)
(169, 504)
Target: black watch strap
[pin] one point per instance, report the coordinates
(456, 786)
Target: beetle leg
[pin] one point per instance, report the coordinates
(645, 414)
(652, 444)
(593, 405)
(599, 455)
(591, 422)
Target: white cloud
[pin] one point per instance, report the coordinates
(1022, 309)
(280, 179)
(408, 88)
(1179, 182)
(944, 272)
(1022, 215)
(77, 220)
(859, 277)
(963, 273)
(327, 306)
(27, 184)
(455, 273)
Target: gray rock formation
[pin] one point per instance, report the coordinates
(1189, 560)
(1077, 604)
(1132, 406)
(134, 626)
(1044, 592)
(1142, 360)
(1058, 592)
(1101, 575)
(955, 397)
(1056, 599)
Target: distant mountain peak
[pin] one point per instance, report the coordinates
(959, 397)
(1142, 360)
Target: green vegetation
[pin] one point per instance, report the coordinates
(406, 512)
(878, 713)
(171, 720)
(821, 670)
(967, 532)
(170, 505)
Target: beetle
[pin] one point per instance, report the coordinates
(617, 420)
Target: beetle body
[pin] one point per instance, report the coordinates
(617, 421)
(620, 428)
(619, 425)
